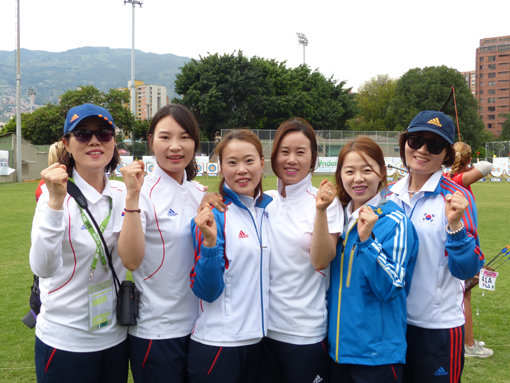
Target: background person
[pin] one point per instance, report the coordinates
(371, 271)
(465, 175)
(53, 154)
(295, 349)
(156, 245)
(231, 272)
(444, 215)
(77, 336)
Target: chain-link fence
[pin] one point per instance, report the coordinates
(497, 149)
(330, 142)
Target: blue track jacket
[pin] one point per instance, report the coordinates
(369, 285)
(232, 278)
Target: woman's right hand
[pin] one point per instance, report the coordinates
(133, 175)
(325, 195)
(55, 178)
(207, 225)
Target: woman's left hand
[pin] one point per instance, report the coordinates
(214, 199)
(366, 222)
(455, 206)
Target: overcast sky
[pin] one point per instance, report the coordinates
(352, 41)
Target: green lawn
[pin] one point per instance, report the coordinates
(490, 309)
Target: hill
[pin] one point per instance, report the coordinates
(52, 73)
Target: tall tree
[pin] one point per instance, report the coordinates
(374, 98)
(428, 88)
(231, 91)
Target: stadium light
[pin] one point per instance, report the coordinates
(132, 89)
(304, 41)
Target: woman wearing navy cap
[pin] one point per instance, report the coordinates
(77, 335)
(445, 218)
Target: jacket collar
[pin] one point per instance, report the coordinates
(431, 186)
(159, 172)
(232, 196)
(88, 191)
(297, 189)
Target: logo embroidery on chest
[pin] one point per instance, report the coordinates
(171, 213)
(242, 234)
(428, 217)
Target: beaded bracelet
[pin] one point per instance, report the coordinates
(133, 210)
(448, 231)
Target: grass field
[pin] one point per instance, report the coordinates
(491, 309)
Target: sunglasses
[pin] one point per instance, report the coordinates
(434, 145)
(85, 135)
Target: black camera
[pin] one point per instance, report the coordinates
(35, 304)
(127, 304)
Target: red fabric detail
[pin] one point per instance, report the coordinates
(49, 360)
(38, 191)
(72, 248)
(214, 361)
(159, 230)
(147, 354)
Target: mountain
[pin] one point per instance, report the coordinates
(53, 73)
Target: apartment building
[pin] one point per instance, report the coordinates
(493, 82)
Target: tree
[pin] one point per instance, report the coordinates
(374, 98)
(45, 125)
(505, 133)
(231, 91)
(427, 88)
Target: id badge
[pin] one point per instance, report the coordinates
(100, 305)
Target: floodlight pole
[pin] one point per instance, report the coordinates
(19, 175)
(132, 87)
(304, 41)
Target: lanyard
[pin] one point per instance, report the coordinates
(99, 246)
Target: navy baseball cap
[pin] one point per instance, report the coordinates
(78, 113)
(435, 122)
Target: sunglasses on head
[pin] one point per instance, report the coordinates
(434, 145)
(85, 135)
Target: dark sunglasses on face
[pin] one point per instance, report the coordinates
(434, 145)
(85, 135)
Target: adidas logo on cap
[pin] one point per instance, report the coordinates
(435, 121)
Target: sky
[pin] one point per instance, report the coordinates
(351, 41)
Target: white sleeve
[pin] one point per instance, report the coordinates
(335, 217)
(483, 167)
(48, 229)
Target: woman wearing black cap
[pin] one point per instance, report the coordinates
(444, 215)
(77, 336)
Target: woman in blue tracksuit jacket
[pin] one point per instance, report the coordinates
(231, 272)
(371, 272)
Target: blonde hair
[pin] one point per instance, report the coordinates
(54, 152)
(462, 157)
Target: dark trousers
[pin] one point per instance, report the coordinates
(290, 363)
(57, 366)
(161, 360)
(216, 364)
(434, 356)
(357, 373)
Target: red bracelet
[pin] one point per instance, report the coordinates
(133, 210)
